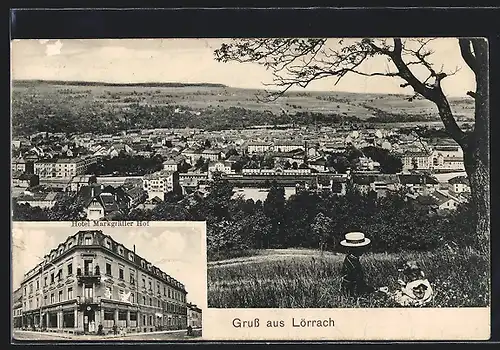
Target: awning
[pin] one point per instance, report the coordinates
(159, 314)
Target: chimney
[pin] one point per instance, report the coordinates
(134, 249)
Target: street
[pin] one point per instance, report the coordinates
(179, 335)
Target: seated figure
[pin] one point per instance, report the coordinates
(415, 289)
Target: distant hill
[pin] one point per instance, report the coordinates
(98, 83)
(70, 106)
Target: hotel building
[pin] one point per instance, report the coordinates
(91, 280)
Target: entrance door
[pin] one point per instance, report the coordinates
(88, 318)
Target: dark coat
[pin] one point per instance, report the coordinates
(353, 279)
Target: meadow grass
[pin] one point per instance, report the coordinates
(459, 279)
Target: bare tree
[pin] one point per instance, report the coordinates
(298, 62)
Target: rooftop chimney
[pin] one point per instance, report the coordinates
(134, 248)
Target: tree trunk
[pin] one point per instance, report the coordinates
(479, 178)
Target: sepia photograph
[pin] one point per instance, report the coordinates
(108, 283)
(331, 173)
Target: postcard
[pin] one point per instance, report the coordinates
(343, 182)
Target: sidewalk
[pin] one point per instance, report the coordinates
(99, 337)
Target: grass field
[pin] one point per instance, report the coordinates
(296, 278)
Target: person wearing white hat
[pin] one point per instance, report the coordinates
(353, 281)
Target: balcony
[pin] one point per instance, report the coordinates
(88, 277)
(88, 303)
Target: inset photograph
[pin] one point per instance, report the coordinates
(121, 282)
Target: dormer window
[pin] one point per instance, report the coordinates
(120, 250)
(107, 242)
(143, 264)
(70, 243)
(131, 256)
(88, 240)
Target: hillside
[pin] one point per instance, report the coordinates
(36, 102)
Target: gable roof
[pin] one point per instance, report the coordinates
(459, 180)
(407, 179)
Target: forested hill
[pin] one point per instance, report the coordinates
(64, 106)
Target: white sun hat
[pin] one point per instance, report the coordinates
(355, 239)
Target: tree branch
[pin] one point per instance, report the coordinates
(467, 55)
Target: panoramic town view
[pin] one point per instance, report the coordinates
(280, 176)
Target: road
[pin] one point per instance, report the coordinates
(23, 336)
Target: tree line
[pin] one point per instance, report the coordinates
(236, 225)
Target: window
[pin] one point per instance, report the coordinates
(70, 293)
(37, 302)
(37, 285)
(59, 274)
(52, 278)
(60, 296)
(108, 269)
(70, 269)
(150, 285)
(45, 300)
(143, 283)
(159, 305)
(164, 291)
(150, 302)
(144, 320)
(25, 291)
(121, 294)
(132, 298)
(169, 293)
(144, 300)
(31, 288)
(52, 299)
(88, 241)
(120, 273)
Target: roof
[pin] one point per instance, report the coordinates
(407, 179)
(105, 195)
(459, 180)
(170, 162)
(288, 143)
(159, 174)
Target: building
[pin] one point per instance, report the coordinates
(22, 165)
(40, 199)
(211, 154)
(24, 180)
(79, 181)
(259, 147)
(160, 183)
(459, 184)
(101, 201)
(170, 165)
(224, 167)
(288, 146)
(194, 316)
(91, 280)
(63, 168)
(416, 161)
(420, 183)
(17, 309)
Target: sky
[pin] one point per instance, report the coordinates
(192, 61)
(177, 248)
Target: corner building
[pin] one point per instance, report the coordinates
(91, 280)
